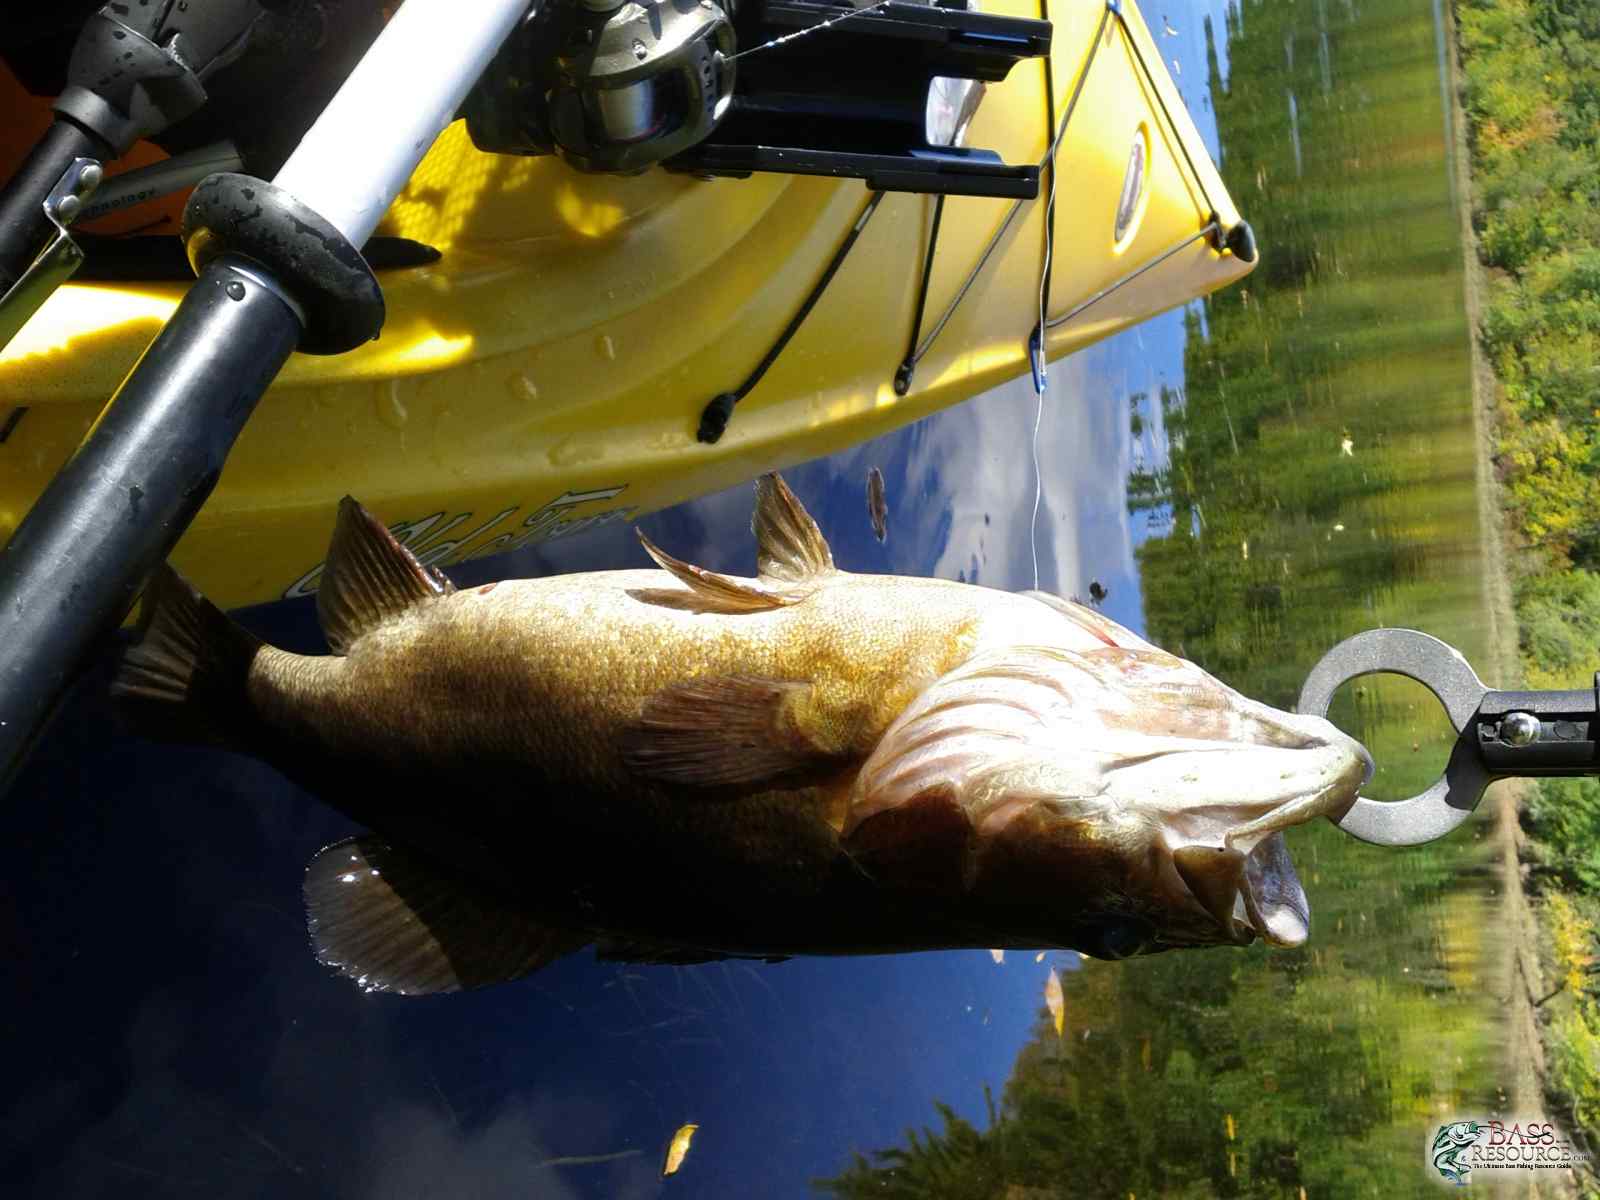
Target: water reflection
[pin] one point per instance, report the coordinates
(171, 1032)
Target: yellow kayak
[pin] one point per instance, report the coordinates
(550, 370)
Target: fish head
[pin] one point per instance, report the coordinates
(1115, 801)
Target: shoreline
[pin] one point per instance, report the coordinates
(1515, 970)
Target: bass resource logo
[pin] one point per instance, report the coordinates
(1457, 1149)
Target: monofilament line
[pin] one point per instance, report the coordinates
(1044, 378)
(800, 33)
(1038, 490)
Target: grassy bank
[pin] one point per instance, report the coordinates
(1532, 101)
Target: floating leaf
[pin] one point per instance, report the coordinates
(1055, 1001)
(677, 1149)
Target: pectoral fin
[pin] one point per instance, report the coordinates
(1215, 876)
(727, 731)
(393, 922)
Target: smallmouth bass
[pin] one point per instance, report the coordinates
(677, 765)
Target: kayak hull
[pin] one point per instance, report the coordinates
(549, 371)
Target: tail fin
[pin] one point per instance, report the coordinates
(185, 679)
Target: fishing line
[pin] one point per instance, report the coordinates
(1036, 350)
(1038, 490)
(800, 33)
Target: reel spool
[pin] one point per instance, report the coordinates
(883, 95)
(609, 87)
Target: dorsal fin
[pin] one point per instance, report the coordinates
(789, 546)
(714, 592)
(370, 577)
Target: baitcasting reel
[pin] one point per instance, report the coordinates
(608, 86)
(653, 79)
(882, 94)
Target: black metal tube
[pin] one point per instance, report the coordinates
(71, 570)
(24, 228)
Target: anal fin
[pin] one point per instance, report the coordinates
(393, 922)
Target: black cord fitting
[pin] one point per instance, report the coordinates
(714, 420)
(1241, 239)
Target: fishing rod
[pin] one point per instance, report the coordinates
(283, 248)
(279, 269)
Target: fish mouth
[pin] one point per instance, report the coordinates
(1274, 902)
(1256, 893)
(1249, 896)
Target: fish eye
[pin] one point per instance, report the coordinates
(1114, 937)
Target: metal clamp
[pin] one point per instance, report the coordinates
(61, 256)
(1443, 671)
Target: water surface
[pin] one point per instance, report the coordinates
(1249, 481)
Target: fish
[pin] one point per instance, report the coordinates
(677, 1150)
(1055, 1001)
(675, 765)
(877, 507)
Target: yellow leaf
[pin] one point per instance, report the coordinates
(677, 1149)
(1055, 1001)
